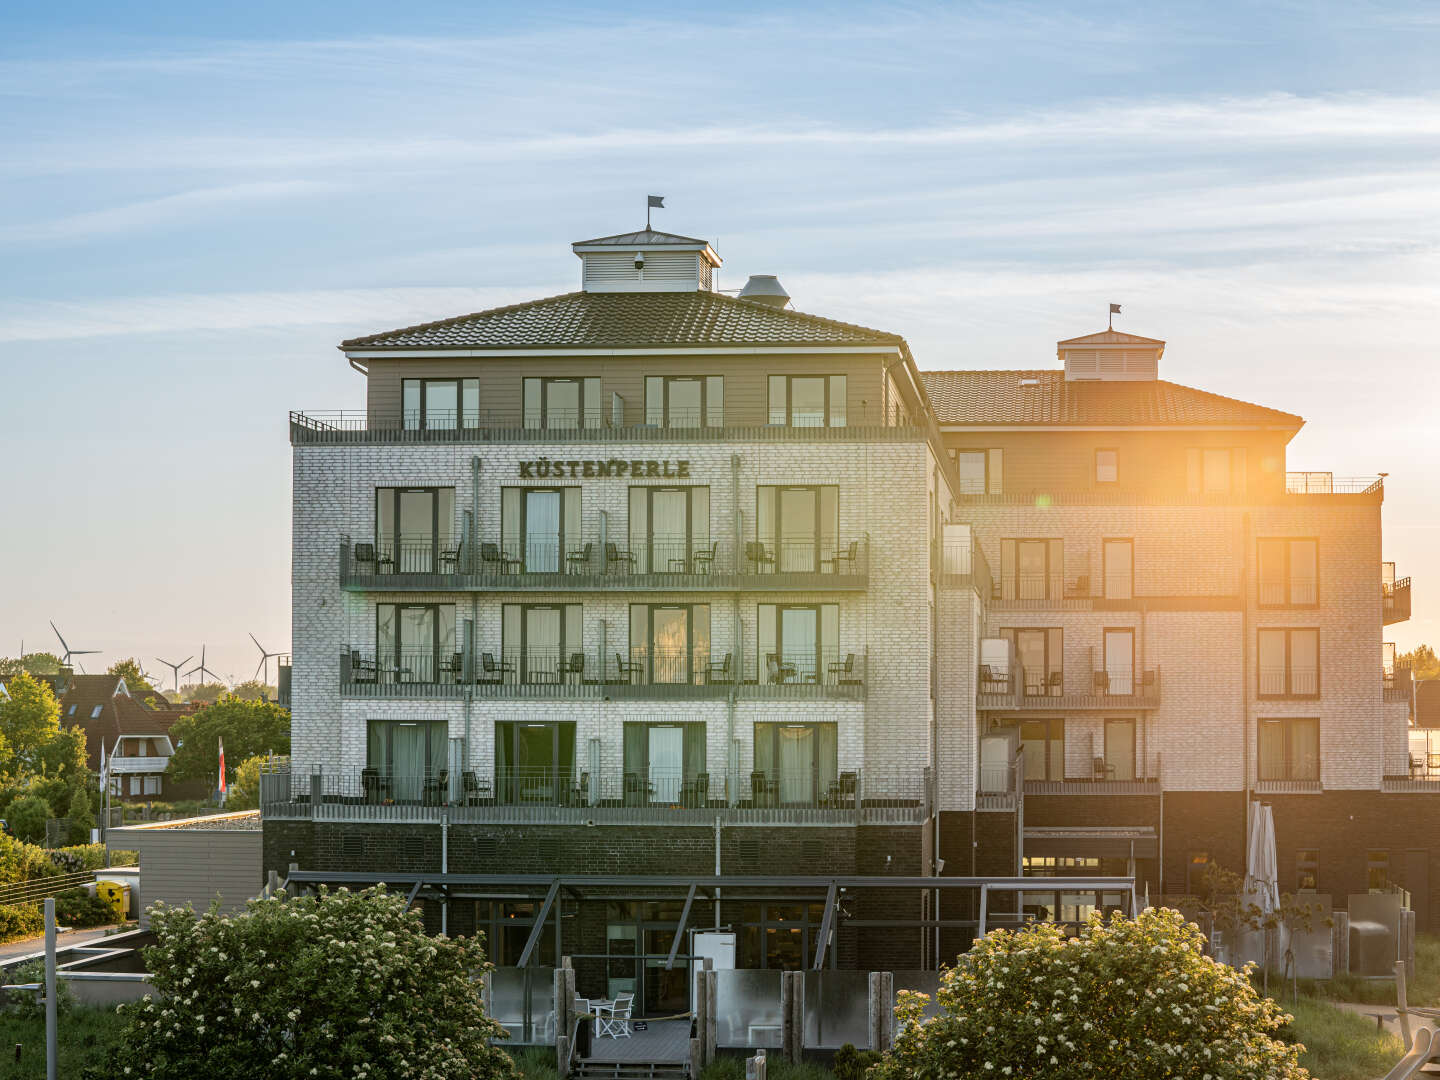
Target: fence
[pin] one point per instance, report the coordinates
(31, 892)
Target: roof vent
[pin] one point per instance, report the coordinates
(1111, 356)
(765, 289)
(1029, 380)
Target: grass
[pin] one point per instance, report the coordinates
(1340, 1045)
(732, 1067)
(1422, 987)
(84, 1039)
(535, 1063)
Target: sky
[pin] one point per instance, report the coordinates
(197, 202)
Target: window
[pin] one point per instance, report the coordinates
(117, 786)
(1107, 466)
(797, 529)
(507, 925)
(669, 643)
(71, 711)
(798, 643)
(563, 403)
(1119, 569)
(1032, 569)
(95, 712)
(1289, 663)
(135, 784)
(1042, 742)
(808, 400)
(982, 472)
(1041, 655)
(535, 763)
(670, 529)
(1377, 870)
(414, 530)
(779, 936)
(1196, 867)
(539, 527)
(665, 763)
(1307, 870)
(1119, 662)
(1288, 572)
(1215, 471)
(1289, 748)
(685, 401)
(539, 642)
(415, 643)
(440, 404)
(152, 785)
(794, 763)
(1120, 749)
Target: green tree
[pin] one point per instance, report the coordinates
(63, 756)
(81, 818)
(27, 816)
(29, 716)
(1423, 661)
(135, 682)
(202, 692)
(36, 663)
(248, 728)
(254, 690)
(1125, 997)
(245, 790)
(337, 985)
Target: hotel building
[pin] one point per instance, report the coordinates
(647, 579)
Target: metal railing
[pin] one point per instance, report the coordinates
(37, 889)
(1396, 600)
(1044, 591)
(1001, 688)
(1396, 685)
(1327, 483)
(1297, 590)
(1299, 682)
(573, 794)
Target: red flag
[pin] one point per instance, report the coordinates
(222, 766)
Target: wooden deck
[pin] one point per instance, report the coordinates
(661, 1041)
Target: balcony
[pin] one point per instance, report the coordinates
(596, 565)
(1396, 684)
(1038, 691)
(1190, 590)
(1327, 483)
(618, 675)
(963, 565)
(1395, 594)
(146, 764)
(1069, 786)
(508, 796)
(330, 427)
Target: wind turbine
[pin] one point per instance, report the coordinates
(264, 660)
(69, 652)
(202, 669)
(176, 668)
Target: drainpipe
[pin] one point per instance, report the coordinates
(1245, 542)
(718, 921)
(444, 870)
(732, 782)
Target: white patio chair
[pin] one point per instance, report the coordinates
(615, 1017)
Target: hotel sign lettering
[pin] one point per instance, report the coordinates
(556, 469)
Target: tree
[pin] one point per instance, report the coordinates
(29, 717)
(337, 985)
(245, 791)
(135, 682)
(254, 690)
(27, 816)
(1126, 997)
(63, 756)
(36, 663)
(81, 819)
(248, 728)
(1422, 661)
(204, 692)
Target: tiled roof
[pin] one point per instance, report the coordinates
(133, 718)
(1000, 397)
(626, 320)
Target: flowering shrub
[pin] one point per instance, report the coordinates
(1126, 998)
(338, 985)
(20, 921)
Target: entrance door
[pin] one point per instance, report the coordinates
(665, 992)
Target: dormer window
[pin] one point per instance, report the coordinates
(646, 261)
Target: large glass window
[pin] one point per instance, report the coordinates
(1032, 569)
(539, 528)
(1289, 663)
(779, 936)
(981, 472)
(535, 762)
(1120, 749)
(507, 925)
(670, 530)
(797, 529)
(1289, 748)
(1216, 470)
(1043, 744)
(795, 763)
(669, 643)
(415, 643)
(1119, 661)
(541, 643)
(1288, 572)
(799, 643)
(685, 401)
(440, 404)
(408, 753)
(414, 531)
(808, 400)
(563, 403)
(665, 763)
(1119, 569)
(1107, 466)
(1041, 653)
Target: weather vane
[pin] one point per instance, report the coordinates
(652, 202)
(1114, 310)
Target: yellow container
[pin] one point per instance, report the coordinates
(117, 895)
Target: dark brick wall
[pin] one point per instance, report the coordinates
(1092, 810)
(1210, 821)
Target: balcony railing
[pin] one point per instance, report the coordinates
(706, 564)
(1288, 787)
(619, 674)
(1396, 685)
(1086, 591)
(1396, 600)
(147, 764)
(1048, 690)
(1294, 682)
(965, 564)
(574, 795)
(1069, 786)
(1327, 483)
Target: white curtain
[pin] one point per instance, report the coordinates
(542, 532)
(667, 763)
(797, 759)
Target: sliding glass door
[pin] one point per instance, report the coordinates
(414, 527)
(538, 527)
(670, 529)
(666, 761)
(796, 762)
(797, 642)
(797, 527)
(407, 754)
(415, 643)
(534, 762)
(538, 641)
(669, 643)
(1120, 661)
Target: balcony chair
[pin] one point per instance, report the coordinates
(614, 1019)
(763, 790)
(843, 671)
(1417, 766)
(847, 555)
(493, 558)
(843, 790)
(719, 672)
(704, 559)
(449, 557)
(626, 670)
(578, 561)
(364, 555)
(759, 556)
(580, 793)
(1055, 684)
(1148, 680)
(494, 670)
(575, 665)
(373, 786)
(777, 672)
(696, 792)
(1102, 682)
(453, 668)
(361, 669)
(472, 791)
(637, 791)
(1103, 770)
(614, 555)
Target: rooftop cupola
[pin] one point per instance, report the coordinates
(646, 261)
(1111, 356)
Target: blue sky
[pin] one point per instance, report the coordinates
(197, 204)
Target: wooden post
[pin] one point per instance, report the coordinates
(562, 1019)
(1400, 1005)
(755, 1066)
(700, 1007)
(795, 1015)
(712, 1011)
(695, 1057)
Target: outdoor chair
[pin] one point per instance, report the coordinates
(759, 556)
(776, 671)
(696, 792)
(841, 670)
(493, 557)
(843, 790)
(580, 793)
(450, 557)
(614, 1019)
(494, 670)
(577, 562)
(452, 666)
(614, 555)
(1055, 683)
(575, 665)
(719, 671)
(472, 791)
(1147, 679)
(626, 670)
(1103, 771)
(1102, 682)
(847, 555)
(361, 669)
(376, 787)
(637, 791)
(364, 557)
(1417, 765)
(762, 790)
(704, 559)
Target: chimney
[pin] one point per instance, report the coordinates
(765, 289)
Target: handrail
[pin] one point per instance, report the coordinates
(1424, 1050)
